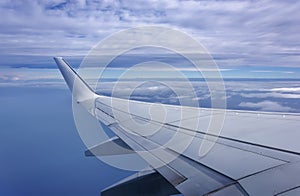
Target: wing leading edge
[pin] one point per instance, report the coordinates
(256, 153)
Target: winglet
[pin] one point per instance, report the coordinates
(80, 89)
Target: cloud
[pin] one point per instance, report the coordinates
(273, 95)
(25, 74)
(242, 32)
(21, 77)
(266, 106)
(265, 85)
(289, 89)
(271, 71)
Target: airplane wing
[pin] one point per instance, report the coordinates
(255, 154)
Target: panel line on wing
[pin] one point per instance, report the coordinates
(197, 174)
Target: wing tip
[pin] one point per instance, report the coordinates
(58, 58)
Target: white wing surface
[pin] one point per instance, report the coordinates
(255, 154)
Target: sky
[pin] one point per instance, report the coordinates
(255, 44)
(253, 38)
(41, 151)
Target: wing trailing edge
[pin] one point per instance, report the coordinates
(113, 146)
(148, 182)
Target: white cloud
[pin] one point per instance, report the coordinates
(272, 95)
(259, 86)
(284, 89)
(25, 74)
(244, 32)
(266, 106)
(270, 71)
